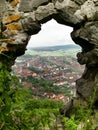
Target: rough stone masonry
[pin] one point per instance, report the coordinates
(19, 19)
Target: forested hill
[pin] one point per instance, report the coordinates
(55, 48)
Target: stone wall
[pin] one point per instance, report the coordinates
(19, 19)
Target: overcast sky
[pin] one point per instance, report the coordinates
(51, 34)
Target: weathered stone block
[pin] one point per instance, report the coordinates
(69, 7)
(80, 2)
(30, 26)
(45, 11)
(21, 39)
(2, 6)
(87, 11)
(27, 6)
(87, 36)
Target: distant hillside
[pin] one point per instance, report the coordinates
(56, 48)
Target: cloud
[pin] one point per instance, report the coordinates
(51, 34)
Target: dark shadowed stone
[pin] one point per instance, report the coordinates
(89, 58)
(67, 109)
(81, 58)
(86, 90)
(89, 85)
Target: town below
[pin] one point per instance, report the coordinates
(49, 72)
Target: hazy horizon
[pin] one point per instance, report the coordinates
(51, 46)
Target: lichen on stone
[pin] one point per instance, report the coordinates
(12, 18)
(14, 26)
(14, 2)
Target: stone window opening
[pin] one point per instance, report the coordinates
(62, 35)
(23, 18)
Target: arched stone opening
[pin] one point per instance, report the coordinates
(21, 18)
(43, 59)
